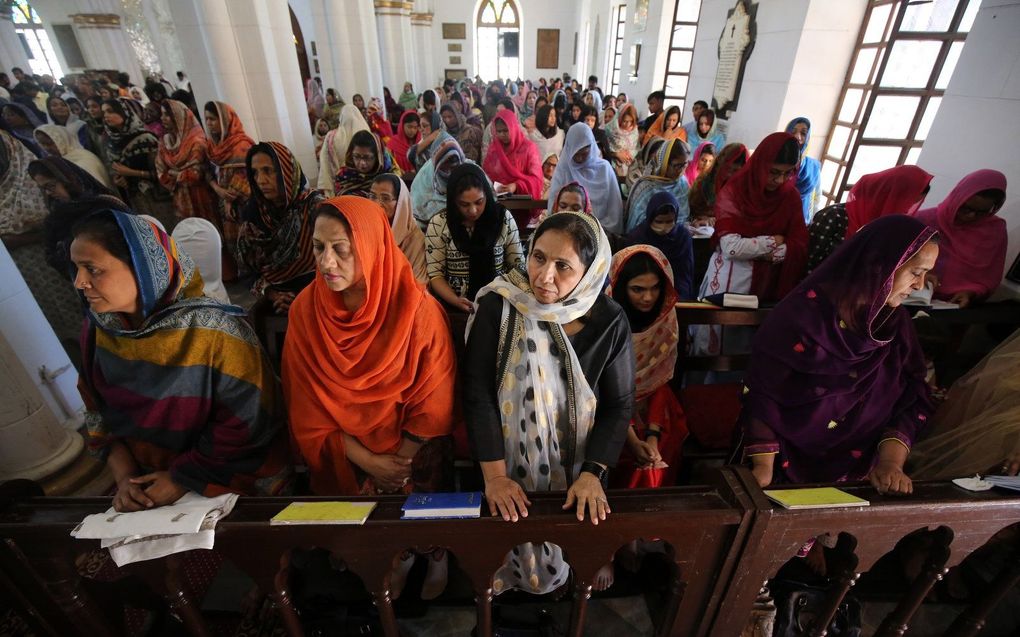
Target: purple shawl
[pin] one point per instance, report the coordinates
(834, 371)
(677, 245)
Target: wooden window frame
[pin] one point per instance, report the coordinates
(671, 99)
(616, 57)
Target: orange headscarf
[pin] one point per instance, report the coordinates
(385, 368)
(658, 129)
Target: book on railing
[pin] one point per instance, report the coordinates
(814, 498)
(324, 513)
(435, 506)
(696, 305)
(746, 301)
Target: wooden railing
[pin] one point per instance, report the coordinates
(726, 540)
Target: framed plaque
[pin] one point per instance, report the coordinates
(548, 54)
(454, 31)
(454, 59)
(735, 45)
(455, 74)
(454, 47)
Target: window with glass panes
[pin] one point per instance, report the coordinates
(498, 45)
(41, 56)
(681, 52)
(906, 52)
(616, 59)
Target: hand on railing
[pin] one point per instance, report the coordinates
(887, 476)
(161, 488)
(506, 498)
(587, 491)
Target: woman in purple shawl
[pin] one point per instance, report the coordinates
(836, 386)
(661, 229)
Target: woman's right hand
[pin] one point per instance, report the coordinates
(130, 497)
(646, 453)
(762, 472)
(389, 471)
(779, 239)
(465, 305)
(506, 498)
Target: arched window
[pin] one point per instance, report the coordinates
(28, 26)
(498, 39)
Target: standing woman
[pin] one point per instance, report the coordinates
(623, 137)
(228, 148)
(513, 161)
(314, 99)
(331, 110)
(366, 158)
(58, 141)
(183, 164)
(333, 155)
(581, 162)
(60, 114)
(548, 380)
(663, 230)
(972, 238)
(93, 118)
(667, 175)
(408, 98)
(131, 151)
(809, 174)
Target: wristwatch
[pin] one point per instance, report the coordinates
(595, 469)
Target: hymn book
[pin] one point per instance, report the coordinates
(324, 513)
(435, 506)
(814, 498)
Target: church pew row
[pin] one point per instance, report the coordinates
(725, 540)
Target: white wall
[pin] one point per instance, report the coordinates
(984, 92)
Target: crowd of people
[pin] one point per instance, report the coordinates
(565, 379)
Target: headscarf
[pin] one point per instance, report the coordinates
(73, 123)
(428, 190)
(232, 146)
(809, 175)
(972, 256)
(178, 150)
(398, 143)
(385, 368)
(555, 200)
(408, 98)
(677, 245)
(314, 97)
(656, 181)
(71, 150)
(658, 127)
(655, 346)
(333, 155)
(23, 135)
(887, 192)
(200, 240)
(480, 243)
(131, 139)
(331, 112)
(351, 182)
(834, 370)
(435, 96)
(695, 139)
(406, 232)
(22, 206)
(518, 163)
(706, 187)
(620, 139)
(691, 172)
(595, 174)
(276, 241)
(745, 208)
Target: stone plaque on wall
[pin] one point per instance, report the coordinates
(454, 59)
(548, 55)
(735, 45)
(455, 47)
(454, 31)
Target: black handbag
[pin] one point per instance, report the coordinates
(798, 605)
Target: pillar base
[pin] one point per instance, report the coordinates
(84, 476)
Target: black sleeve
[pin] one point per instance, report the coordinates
(478, 381)
(615, 391)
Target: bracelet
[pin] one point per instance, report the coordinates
(595, 469)
(653, 433)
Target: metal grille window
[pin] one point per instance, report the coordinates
(906, 52)
(616, 58)
(681, 52)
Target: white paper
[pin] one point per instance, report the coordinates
(973, 484)
(184, 516)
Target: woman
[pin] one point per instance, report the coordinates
(368, 365)
(428, 190)
(228, 148)
(408, 98)
(622, 135)
(706, 131)
(591, 118)
(667, 126)
(432, 137)
(706, 187)
(641, 282)
(663, 230)
(60, 114)
(333, 155)
(314, 99)
(512, 162)
(546, 135)
(390, 192)
(972, 238)
(183, 164)
(836, 387)
(93, 118)
(469, 137)
(20, 122)
(131, 151)
(470, 243)
(393, 110)
(375, 114)
(275, 237)
(320, 131)
(580, 161)
(408, 134)
(701, 163)
(549, 164)
(554, 415)
(667, 175)
(59, 141)
(179, 394)
(527, 107)
(571, 198)
(898, 190)
(366, 158)
(809, 175)
(331, 110)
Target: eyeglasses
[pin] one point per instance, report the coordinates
(363, 158)
(383, 199)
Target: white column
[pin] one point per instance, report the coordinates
(393, 19)
(11, 52)
(425, 74)
(243, 54)
(348, 44)
(104, 44)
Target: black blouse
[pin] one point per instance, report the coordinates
(605, 353)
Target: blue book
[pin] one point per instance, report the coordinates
(434, 506)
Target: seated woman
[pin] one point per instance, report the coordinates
(667, 175)
(512, 162)
(549, 163)
(663, 230)
(641, 281)
(366, 158)
(58, 141)
(897, 190)
(545, 132)
(19, 121)
(179, 394)
(972, 238)
(701, 163)
(369, 368)
(581, 162)
(275, 237)
(706, 187)
(836, 386)
(706, 131)
(666, 126)
(467, 135)
(809, 172)
(432, 137)
(623, 137)
(392, 195)
(472, 242)
(335, 144)
(428, 190)
(408, 134)
(571, 198)
(525, 425)
(60, 114)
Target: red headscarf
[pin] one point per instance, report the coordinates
(972, 256)
(385, 368)
(887, 192)
(519, 163)
(399, 145)
(234, 143)
(186, 147)
(746, 208)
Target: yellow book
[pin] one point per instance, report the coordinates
(814, 498)
(324, 513)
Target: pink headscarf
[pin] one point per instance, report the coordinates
(972, 256)
(692, 167)
(519, 163)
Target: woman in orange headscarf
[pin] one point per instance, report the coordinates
(368, 365)
(182, 164)
(228, 148)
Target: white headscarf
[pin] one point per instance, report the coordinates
(71, 150)
(200, 240)
(595, 174)
(333, 155)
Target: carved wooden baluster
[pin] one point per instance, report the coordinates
(582, 593)
(844, 567)
(972, 620)
(387, 617)
(279, 592)
(483, 602)
(180, 597)
(898, 621)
